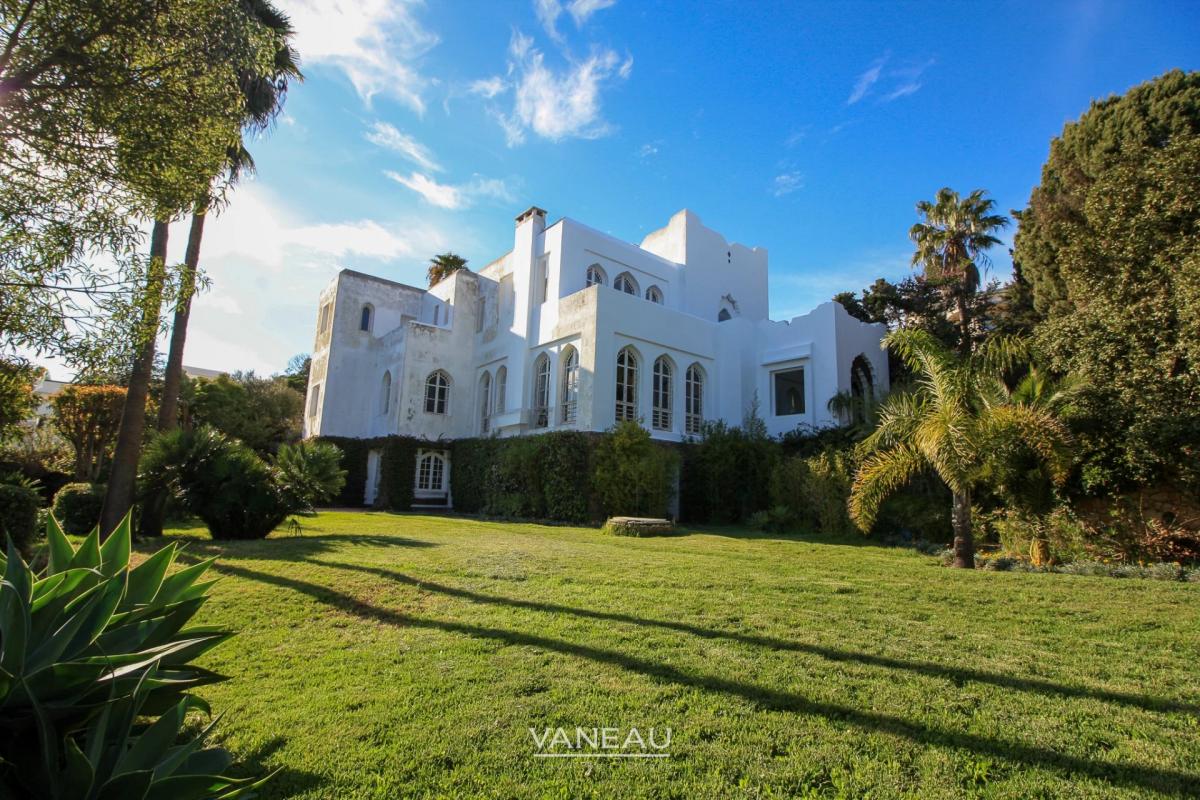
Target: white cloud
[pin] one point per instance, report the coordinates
(548, 12)
(786, 183)
(558, 104)
(895, 82)
(448, 196)
(375, 42)
(388, 136)
(267, 267)
(901, 91)
(488, 87)
(647, 150)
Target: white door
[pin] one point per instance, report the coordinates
(373, 476)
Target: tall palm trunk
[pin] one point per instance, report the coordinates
(154, 509)
(960, 519)
(123, 473)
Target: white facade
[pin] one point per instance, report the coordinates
(526, 345)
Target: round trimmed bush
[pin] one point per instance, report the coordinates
(77, 507)
(18, 514)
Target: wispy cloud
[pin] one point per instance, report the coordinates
(376, 43)
(648, 150)
(388, 136)
(488, 87)
(786, 183)
(895, 81)
(867, 79)
(558, 104)
(548, 12)
(451, 196)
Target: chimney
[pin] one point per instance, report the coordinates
(538, 215)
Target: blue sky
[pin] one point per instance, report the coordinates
(809, 129)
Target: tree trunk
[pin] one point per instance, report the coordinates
(123, 474)
(964, 323)
(964, 543)
(155, 507)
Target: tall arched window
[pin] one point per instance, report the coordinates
(431, 473)
(654, 295)
(595, 276)
(627, 377)
(662, 394)
(862, 388)
(570, 385)
(724, 315)
(541, 391)
(367, 318)
(485, 402)
(693, 399)
(385, 393)
(625, 283)
(437, 392)
(501, 388)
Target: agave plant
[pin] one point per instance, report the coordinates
(96, 676)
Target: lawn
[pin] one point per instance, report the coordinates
(386, 656)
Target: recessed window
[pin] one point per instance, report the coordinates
(544, 276)
(570, 385)
(661, 395)
(595, 276)
(326, 317)
(625, 283)
(693, 406)
(385, 393)
(501, 387)
(789, 392)
(366, 318)
(485, 402)
(541, 391)
(654, 295)
(627, 377)
(314, 400)
(724, 315)
(437, 392)
(437, 314)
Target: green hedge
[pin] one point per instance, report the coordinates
(726, 475)
(398, 464)
(18, 515)
(535, 477)
(77, 507)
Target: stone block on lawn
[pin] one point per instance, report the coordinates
(638, 526)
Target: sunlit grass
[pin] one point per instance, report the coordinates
(390, 656)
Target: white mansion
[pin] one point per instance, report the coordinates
(574, 329)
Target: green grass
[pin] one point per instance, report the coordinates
(388, 656)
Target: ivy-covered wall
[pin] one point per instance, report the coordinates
(398, 468)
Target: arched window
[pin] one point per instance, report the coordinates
(501, 387)
(625, 283)
(724, 315)
(367, 318)
(485, 402)
(437, 392)
(627, 369)
(570, 385)
(541, 391)
(654, 295)
(862, 388)
(385, 393)
(595, 276)
(662, 394)
(431, 473)
(693, 399)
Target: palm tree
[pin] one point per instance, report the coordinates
(952, 244)
(264, 95)
(443, 266)
(957, 414)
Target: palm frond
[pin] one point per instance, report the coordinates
(877, 478)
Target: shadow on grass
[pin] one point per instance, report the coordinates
(281, 546)
(1161, 780)
(958, 675)
(285, 782)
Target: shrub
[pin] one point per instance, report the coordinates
(815, 490)
(631, 474)
(91, 730)
(19, 514)
(726, 474)
(542, 477)
(77, 507)
(310, 473)
(226, 484)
